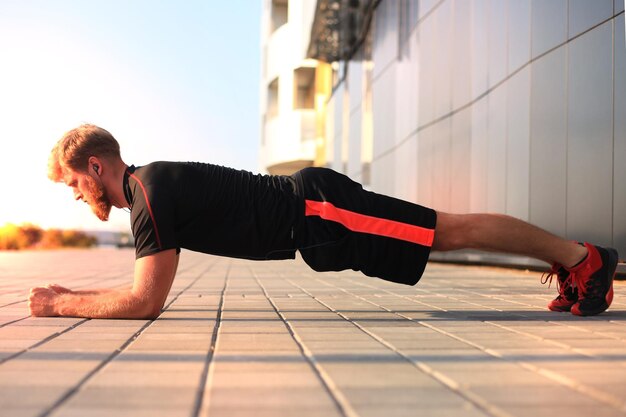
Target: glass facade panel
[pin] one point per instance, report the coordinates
(590, 136)
(519, 34)
(584, 14)
(548, 141)
(518, 144)
(548, 25)
(619, 119)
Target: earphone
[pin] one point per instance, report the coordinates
(96, 169)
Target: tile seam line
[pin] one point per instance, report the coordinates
(475, 400)
(13, 321)
(207, 371)
(551, 375)
(76, 388)
(343, 405)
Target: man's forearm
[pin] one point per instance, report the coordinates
(108, 304)
(99, 291)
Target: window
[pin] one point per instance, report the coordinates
(280, 13)
(304, 88)
(272, 99)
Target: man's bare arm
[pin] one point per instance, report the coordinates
(154, 275)
(94, 291)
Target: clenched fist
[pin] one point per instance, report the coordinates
(41, 300)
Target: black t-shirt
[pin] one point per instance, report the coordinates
(211, 209)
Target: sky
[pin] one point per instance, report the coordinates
(171, 80)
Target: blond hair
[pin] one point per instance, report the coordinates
(73, 150)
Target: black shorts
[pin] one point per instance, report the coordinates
(347, 227)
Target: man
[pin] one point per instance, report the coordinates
(328, 218)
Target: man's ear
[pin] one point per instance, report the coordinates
(94, 165)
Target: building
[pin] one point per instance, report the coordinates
(288, 127)
(507, 106)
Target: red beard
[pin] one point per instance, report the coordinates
(98, 200)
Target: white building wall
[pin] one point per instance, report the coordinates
(288, 136)
(510, 106)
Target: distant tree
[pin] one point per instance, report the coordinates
(56, 238)
(14, 237)
(11, 237)
(32, 234)
(51, 239)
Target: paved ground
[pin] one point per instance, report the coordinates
(276, 339)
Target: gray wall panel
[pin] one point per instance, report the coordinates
(548, 142)
(497, 42)
(590, 127)
(329, 130)
(462, 54)
(549, 25)
(427, 51)
(425, 167)
(441, 165)
(355, 84)
(480, 47)
(385, 39)
(460, 162)
(496, 154)
(518, 144)
(407, 91)
(338, 106)
(383, 112)
(443, 59)
(406, 171)
(426, 6)
(478, 157)
(584, 14)
(518, 33)
(383, 174)
(354, 146)
(619, 6)
(619, 168)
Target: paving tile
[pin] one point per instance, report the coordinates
(268, 411)
(466, 410)
(130, 412)
(272, 378)
(306, 397)
(137, 396)
(597, 410)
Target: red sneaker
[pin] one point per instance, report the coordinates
(568, 295)
(593, 278)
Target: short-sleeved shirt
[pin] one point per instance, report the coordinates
(331, 220)
(211, 209)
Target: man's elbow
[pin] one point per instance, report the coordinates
(147, 310)
(152, 312)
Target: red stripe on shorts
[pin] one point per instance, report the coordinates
(369, 224)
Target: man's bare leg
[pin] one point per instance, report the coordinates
(501, 233)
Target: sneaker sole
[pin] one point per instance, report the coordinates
(613, 258)
(560, 309)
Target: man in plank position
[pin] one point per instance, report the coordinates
(328, 218)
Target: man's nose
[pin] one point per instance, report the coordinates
(78, 195)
